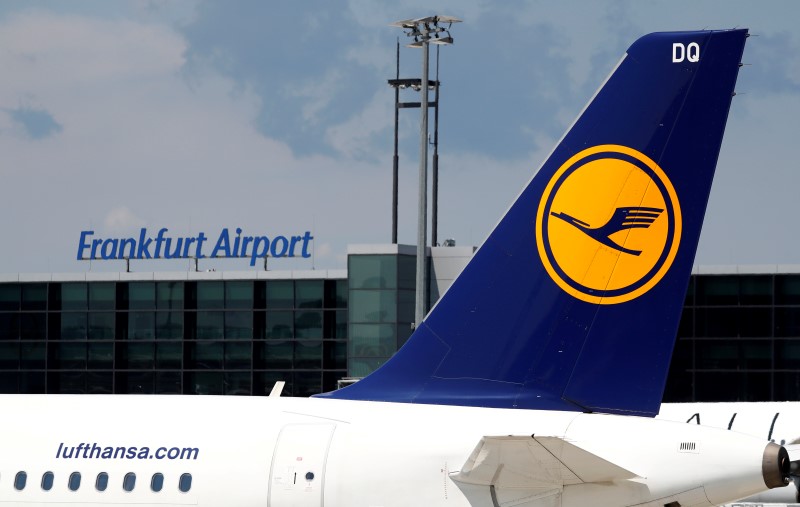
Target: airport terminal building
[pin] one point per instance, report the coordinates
(238, 333)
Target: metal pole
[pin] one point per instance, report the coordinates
(422, 223)
(435, 189)
(395, 160)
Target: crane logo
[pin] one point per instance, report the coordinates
(608, 225)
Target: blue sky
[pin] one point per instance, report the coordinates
(276, 117)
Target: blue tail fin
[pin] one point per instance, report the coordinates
(573, 301)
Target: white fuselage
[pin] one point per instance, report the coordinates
(775, 421)
(282, 452)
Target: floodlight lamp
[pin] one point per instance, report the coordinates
(443, 41)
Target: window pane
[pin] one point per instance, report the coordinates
(210, 325)
(372, 271)
(129, 482)
(169, 295)
(787, 354)
(787, 322)
(101, 356)
(168, 382)
(102, 296)
(142, 296)
(755, 322)
(9, 382)
(237, 383)
(755, 290)
(169, 355)
(372, 340)
(137, 356)
(238, 355)
(732, 386)
(686, 326)
(407, 272)
(101, 325)
(102, 481)
(308, 355)
(66, 383)
(239, 325)
(274, 355)
(787, 386)
(47, 481)
(20, 480)
(135, 382)
(9, 356)
(373, 306)
(280, 325)
(169, 325)
(308, 324)
(9, 326)
(71, 356)
(361, 367)
(406, 305)
(32, 382)
(74, 296)
(157, 482)
(9, 297)
(73, 326)
(32, 355)
(334, 324)
(239, 294)
(185, 483)
(205, 355)
(787, 289)
(204, 382)
(141, 325)
(34, 296)
(280, 294)
(33, 326)
(308, 293)
(210, 295)
(733, 354)
(335, 355)
(307, 383)
(717, 290)
(335, 294)
(74, 481)
(100, 382)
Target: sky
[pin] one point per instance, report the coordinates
(276, 118)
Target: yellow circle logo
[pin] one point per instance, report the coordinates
(608, 225)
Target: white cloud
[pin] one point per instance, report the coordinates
(122, 219)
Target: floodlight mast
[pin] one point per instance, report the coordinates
(425, 31)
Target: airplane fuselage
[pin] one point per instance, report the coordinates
(295, 452)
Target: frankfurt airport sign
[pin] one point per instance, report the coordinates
(163, 246)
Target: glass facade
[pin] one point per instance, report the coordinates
(173, 337)
(738, 339)
(381, 308)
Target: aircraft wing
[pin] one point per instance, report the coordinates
(530, 462)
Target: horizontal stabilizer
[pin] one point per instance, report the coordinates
(525, 462)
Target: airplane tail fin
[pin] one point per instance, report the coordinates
(574, 299)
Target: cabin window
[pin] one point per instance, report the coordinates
(157, 482)
(74, 481)
(129, 482)
(102, 481)
(185, 483)
(20, 480)
(47, 481)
